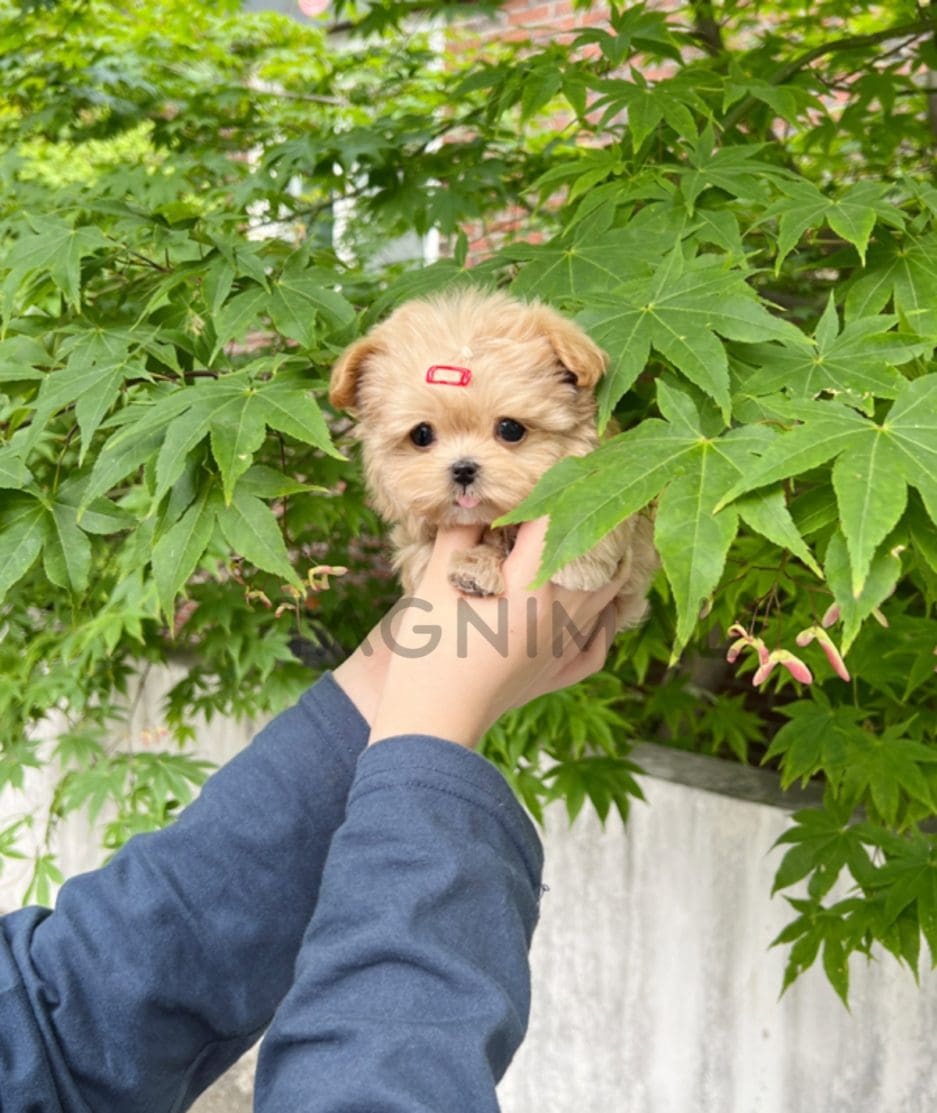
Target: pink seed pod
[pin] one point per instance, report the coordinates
(763, 672)
(786, 660)
(743, 639)
(794, 666)
(831, 616)
(826, 643)
(833, 655)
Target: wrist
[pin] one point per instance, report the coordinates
(361, 677)
(413, 716)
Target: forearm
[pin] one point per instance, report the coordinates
(412, 986)
(156, 972)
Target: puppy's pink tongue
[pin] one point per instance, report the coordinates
(467, 502)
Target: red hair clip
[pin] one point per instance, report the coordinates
(440, 374)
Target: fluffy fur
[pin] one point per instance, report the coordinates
(529, 365)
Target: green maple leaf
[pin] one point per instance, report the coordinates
(251, 530)
(289, 406)
(574, 267)
(235, 410)
(735, 170)
(903, 272)
(120, 458)
(667, 101)
(588, 166)
(879, 585)
(540, 86)
(822, 845)
(851, 215)
(604, 780)
(682, 311)
(97, 515)
(92, 378)
(178, 551)
(301, 302)
(814, 739)
(237, 429)
(907, 882)
(886, 771)
(766, 513)
(66, 555)
(24, 527)
(874, 464)
(18, 357)
(720, 227)
(237, 315)
(858, 362)
(672, 459)
(30, 526)
(785, 100)
(831, 928)
(239, 426)
(53, 248)
(13, 472)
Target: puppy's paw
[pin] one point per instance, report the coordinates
(477, 572)
(591, 571)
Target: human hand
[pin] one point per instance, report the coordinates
(362, 675)
(457, 663)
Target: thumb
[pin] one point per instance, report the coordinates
(523, 564)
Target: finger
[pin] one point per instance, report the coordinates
(450, 540)
(604, 631)
(523, 564)
(577, 666)
(579, 636)
(575, 663)
(587, 606)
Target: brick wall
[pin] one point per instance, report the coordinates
(536, 20)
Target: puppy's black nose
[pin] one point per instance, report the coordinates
(464, 472)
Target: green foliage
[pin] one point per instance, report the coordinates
(579, 732)
(741, 212)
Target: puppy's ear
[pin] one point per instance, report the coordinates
(347, 372)
(578, 353)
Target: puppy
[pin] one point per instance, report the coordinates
(463, 401)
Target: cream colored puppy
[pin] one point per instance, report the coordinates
(463, 401)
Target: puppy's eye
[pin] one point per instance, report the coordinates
(510, 430)
(422, 435)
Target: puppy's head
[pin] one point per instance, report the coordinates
(461, 453)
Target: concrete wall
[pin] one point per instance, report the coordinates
(654, 989)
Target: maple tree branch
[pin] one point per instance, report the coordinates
(706, 28)
(851, 42)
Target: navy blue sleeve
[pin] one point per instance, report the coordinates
(155, 973)
(412, 987)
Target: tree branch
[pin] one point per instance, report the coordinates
(706, 28)
(851, 42)
(931, 92)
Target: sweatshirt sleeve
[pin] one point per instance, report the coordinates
(156, 972)
(412, 987)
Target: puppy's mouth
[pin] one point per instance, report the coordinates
(469, 507)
